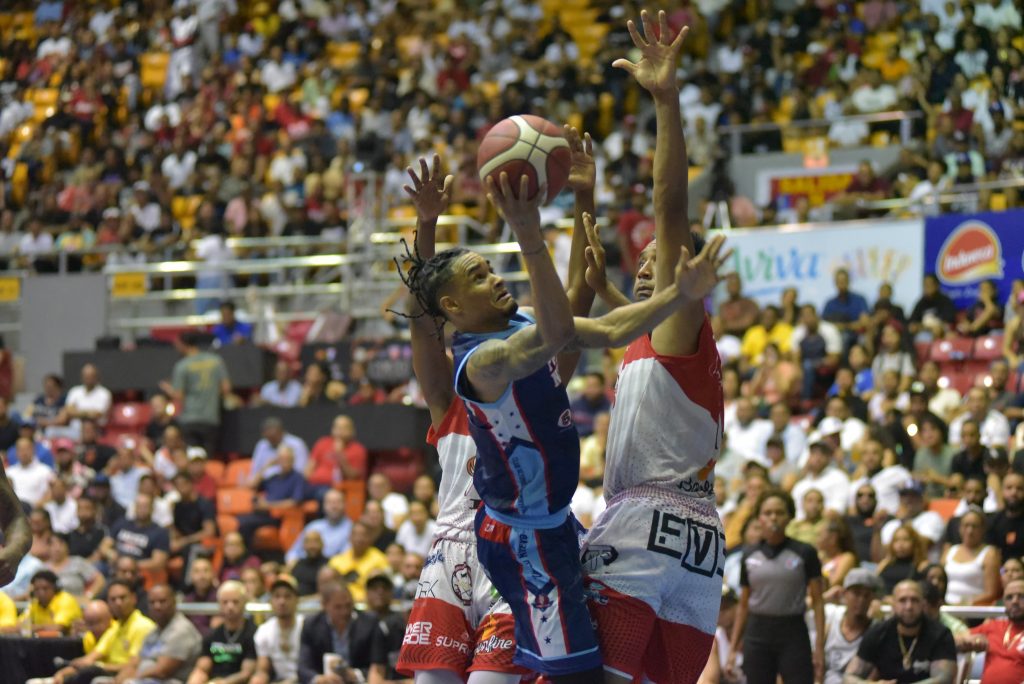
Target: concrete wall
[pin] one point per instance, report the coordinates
(59, 314)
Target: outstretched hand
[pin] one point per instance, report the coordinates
(697, 277)
(520, 210)
(582, 170)
(430, 191)
(656, 70)
(596, 274)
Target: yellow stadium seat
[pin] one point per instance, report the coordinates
(19, 184)
(154, 69)
(880, 139)
(343, 55)
(998, 202)
(357, 97)
(270, 102)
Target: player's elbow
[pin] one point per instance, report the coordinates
(560, 334)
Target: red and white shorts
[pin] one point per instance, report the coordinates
(458, 621)
(653, 564)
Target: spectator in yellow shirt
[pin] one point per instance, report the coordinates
(98, 620)
(119, 644)
(8, 614)
(51, 609)
(771, 328)
(360, 561)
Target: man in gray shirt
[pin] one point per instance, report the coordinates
(845, 625)
(199, 381)
(169, 652)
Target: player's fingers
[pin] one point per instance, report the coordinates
(492, 187)
(424, 170)
(542, 192)
(649, 34)
(588, 144)
(588, 254)
(724, 258)
(714, 246)
(635, 35)
(662, 26)
(625, 65)
(449, 181)
(409, 191)
(415, 179)
(572, 136)
(505, 186)
(436, 173)
(680, 37)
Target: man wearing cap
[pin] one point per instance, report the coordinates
(51, 609)
(75, 474)
(203, 482)
(27, 430)
(913, 509)
(29, 477)
(908, 647)
(1000, 640)
(278, 639)
(820, 474)
(845, 625)
(355, 637)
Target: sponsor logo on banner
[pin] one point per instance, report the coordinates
(972, 252)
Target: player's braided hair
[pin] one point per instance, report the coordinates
(426, 277)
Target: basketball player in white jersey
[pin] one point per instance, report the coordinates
(654, 557)
(459, 628)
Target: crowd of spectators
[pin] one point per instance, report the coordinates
(161, 128)
(901, 465)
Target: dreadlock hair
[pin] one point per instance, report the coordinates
(426, 277)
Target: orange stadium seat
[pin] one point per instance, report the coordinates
(227, 523)
(956, 349)
(215, 469)
(237, 473)
(234, 500)
(988, 348)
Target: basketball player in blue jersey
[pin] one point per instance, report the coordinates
(527, 465)
(467, 613)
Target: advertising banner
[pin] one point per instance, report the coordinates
(805, 257)
(818, 185)
(964, 250)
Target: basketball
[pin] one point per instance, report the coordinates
(526, 144)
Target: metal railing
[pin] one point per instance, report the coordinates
(736, 132)
(955, 193)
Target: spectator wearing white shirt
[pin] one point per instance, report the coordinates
(989, 15)
(63, 509)
(87, 400)
(124, 477)
(730, 56)
(416, 534)
(886, 480)
(913, 511)
(145, 212)
(925, 195)
(748, 434)
(283, 390)
(29, 477)
(995, 429)
(873, 95)
(179, 164)
(276, 74)
(265, 451)
(34, 243)
(972, 59)
(820, 474)
(395, 506)
(288, 166)
(56, 43)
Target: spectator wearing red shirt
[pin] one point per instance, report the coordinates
(203, 484)
(1002, 641)
(335, 458)
(635, 229)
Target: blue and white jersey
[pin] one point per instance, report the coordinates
(528, 451)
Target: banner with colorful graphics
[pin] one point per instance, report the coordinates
(818, 185)
(964, 250)
(806, 257)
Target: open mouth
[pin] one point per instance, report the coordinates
(504, 297)
(644, 291)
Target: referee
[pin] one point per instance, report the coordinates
(775, 578)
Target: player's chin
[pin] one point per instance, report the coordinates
(508, 306)
(642, 293)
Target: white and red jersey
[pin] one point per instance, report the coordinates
(666, 425)
(457, 499)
